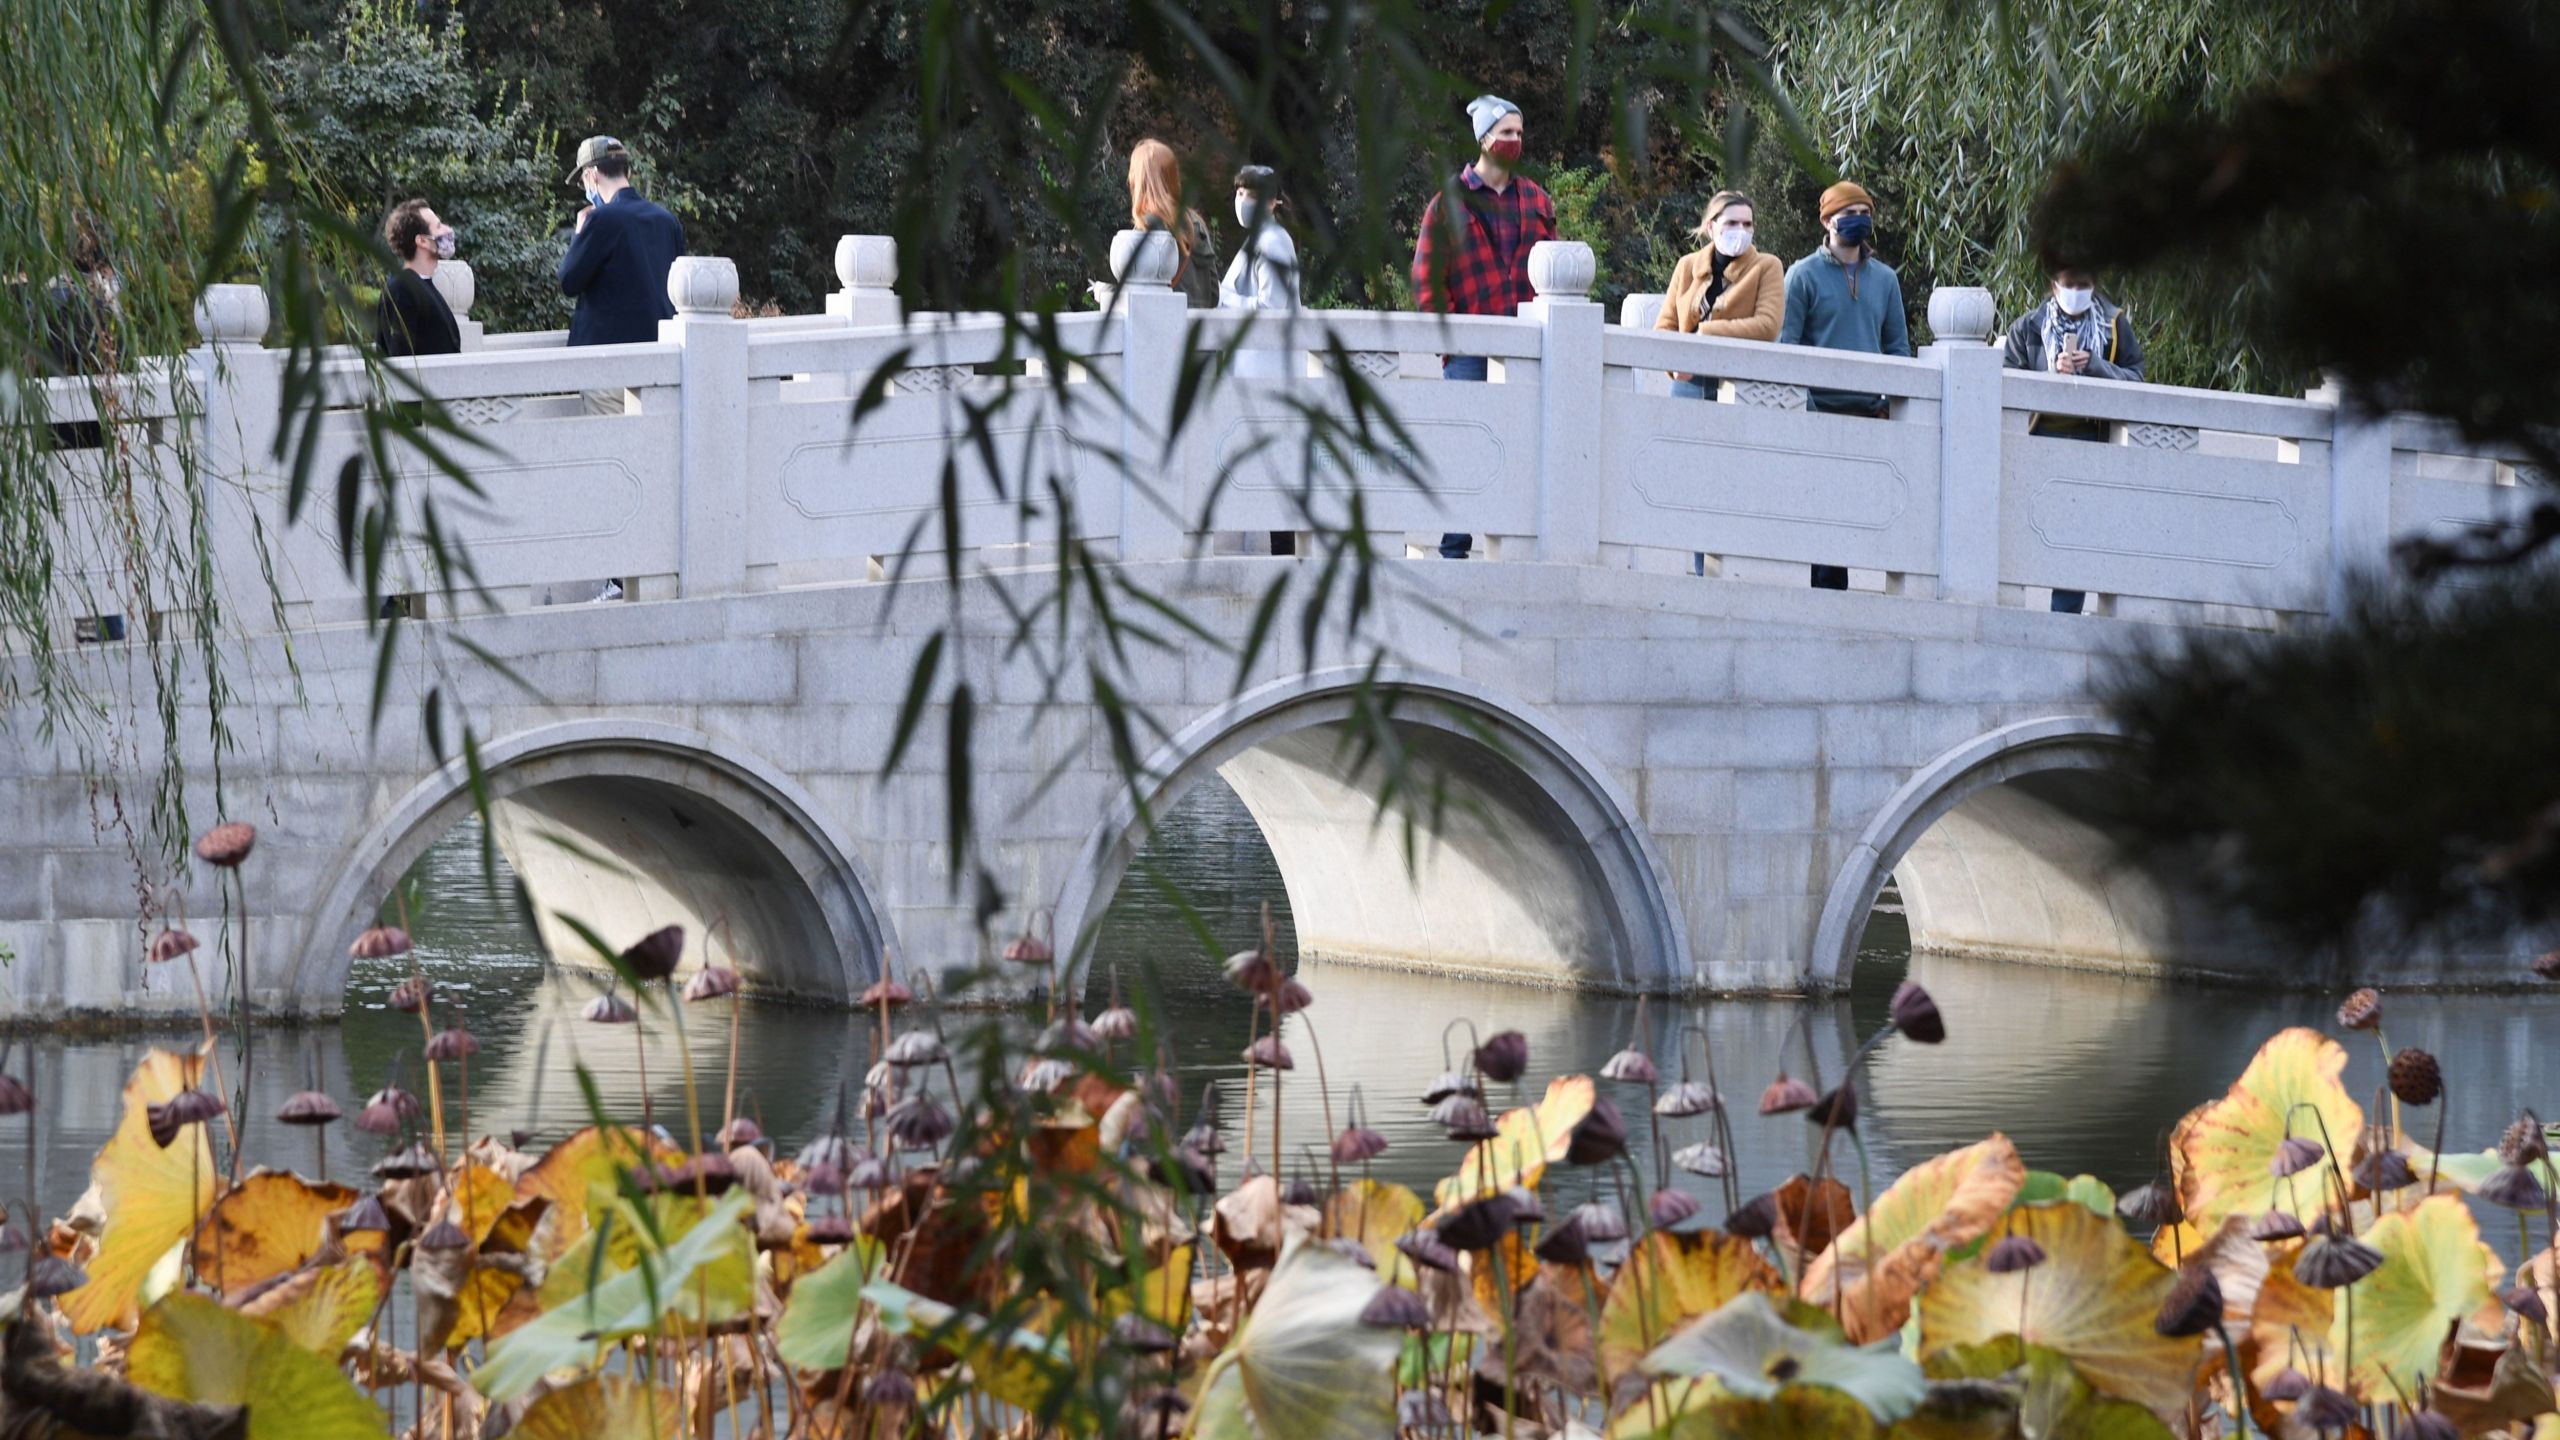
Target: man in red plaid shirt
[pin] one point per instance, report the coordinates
(1480, 264)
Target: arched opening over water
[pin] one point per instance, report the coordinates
(629, 827)
(1999, 850)
(1525, 866)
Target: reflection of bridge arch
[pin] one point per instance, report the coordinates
(1534, 868)
(628, 825)
(1998, 852)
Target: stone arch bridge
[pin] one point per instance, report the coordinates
(1663, 763)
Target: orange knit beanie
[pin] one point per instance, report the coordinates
(1843, 195)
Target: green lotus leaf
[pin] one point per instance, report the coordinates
(1302, 1366)
(2435, 1273)
(188, 1347)
(706, 1274)
(816, 1328)
(1747, 1348)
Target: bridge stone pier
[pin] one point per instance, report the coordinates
(1647, 756)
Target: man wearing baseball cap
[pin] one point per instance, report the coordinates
(1480, 264)
(1841, 297)
(618, 261)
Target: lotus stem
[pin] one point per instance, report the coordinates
(247, 1041)
(1324, 1094)
(1510, 1341)
(213, 1053)
(1252, 1032)
(2239, 1387)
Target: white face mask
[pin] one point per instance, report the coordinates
(2074, 302)
(1248, 212)
(1733, 242)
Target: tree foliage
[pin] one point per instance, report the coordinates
(2391, 772)
(387, 108)
(1954, 116)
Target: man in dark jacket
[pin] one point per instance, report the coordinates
(412, 317)
(618, 261)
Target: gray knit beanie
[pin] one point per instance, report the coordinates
(1487, 111)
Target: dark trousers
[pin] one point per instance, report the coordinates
(1836, 577)
(2068, 602)
(1453, 545)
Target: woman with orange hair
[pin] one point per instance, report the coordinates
(1155, 203)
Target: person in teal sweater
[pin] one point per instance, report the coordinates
(1841, 297)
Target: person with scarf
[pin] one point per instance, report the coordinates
(1727, 288)
(2074, 332)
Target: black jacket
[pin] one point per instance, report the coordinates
(617, 268)
(412, 318)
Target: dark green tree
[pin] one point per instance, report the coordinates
(386, 107)
(2394, 771)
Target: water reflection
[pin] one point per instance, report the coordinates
(2085, 1072)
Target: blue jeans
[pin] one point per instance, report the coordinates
(1453, 545)
(1693, 387)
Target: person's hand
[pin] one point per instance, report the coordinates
(582, 217)
(2072, 362)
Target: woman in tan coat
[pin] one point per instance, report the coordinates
(1726, 288)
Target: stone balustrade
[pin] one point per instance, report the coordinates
(723, 457)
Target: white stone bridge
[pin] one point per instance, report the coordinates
(1668, 763)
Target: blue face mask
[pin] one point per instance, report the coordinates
(1855, 229)
(595, 197)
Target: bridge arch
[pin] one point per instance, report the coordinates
(2000, 851)
(709, 829)
(1538, 870)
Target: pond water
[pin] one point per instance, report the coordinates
(2086, 1072)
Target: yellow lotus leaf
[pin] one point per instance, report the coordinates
(604, 1407)
(188, 1347)
(1530, 1138)
(1162, 1294)
(2092, 1300)
(1374, 1213)
(2435, 1272)
(477, 1198)
(570, 1170)
(322, 1309)
(271, 1222)
(1940, 1205)
(1704, 1410)
(153, 1196)
(2289, 1325)
(1669, 1280)
(1488, 1279)
(482, 1300)
(2221, 1150)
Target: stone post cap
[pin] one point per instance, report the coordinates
(459, 287)
(232, 315)
(1143, 258)
(1561, 269)
(1961, 313)
(867, 262)
(705, 285)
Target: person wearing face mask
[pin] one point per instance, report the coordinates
(1264, 274)
(1477, 262)
(412, 318)
(618, 260)
(1728, 288)
(1841, 297)
(2074, 332)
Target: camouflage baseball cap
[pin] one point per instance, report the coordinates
(591, 150)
